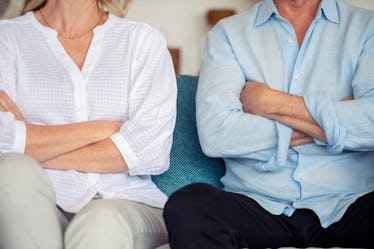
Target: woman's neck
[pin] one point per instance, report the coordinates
(71, 16)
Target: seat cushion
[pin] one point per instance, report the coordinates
(188, 164)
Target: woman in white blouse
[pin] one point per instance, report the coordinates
(87, 111)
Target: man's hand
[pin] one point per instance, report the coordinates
(257, 98)
(300, 138)
(7, 105)
(348, 98)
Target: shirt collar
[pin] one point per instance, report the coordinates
(268, 9)
(330, 10)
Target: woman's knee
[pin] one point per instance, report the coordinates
(13, 164)
(28, 208)
(104, 221)
(21, 172)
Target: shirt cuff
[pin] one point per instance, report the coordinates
(20, 137)
(127, 153)
(322, 109)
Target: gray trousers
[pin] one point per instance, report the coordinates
(29, 218)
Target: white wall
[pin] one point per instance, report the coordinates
(182, 22)
(184, 25)
(368, 4)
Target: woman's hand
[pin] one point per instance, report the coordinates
(7, 105)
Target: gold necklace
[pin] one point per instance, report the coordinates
(71, 37)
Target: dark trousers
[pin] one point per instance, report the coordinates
(200, 216)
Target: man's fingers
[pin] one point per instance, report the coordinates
(348, 98)
(300, 138)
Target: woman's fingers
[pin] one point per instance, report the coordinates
(7, 105)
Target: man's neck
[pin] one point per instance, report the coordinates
(294, 10)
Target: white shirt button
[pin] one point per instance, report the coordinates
(290, 40)
(296, 76)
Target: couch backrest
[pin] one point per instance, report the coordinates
(188, 164)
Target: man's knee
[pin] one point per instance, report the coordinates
(191, 201)
(191, 194)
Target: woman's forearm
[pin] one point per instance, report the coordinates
(100, 157)
(44, 142)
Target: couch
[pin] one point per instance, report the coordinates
(188, 164)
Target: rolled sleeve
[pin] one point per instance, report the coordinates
(127, 153)
(357, 116)
(20, 137)
(12, 134)
(145, 139)
(322, 109)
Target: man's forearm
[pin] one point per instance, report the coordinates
(259, 99)
(100, 157)
(291, 110)
(44, 142)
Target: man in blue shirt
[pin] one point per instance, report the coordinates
(286, 97)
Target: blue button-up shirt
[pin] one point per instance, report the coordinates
(336, 60)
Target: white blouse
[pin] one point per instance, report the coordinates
(127, 75)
